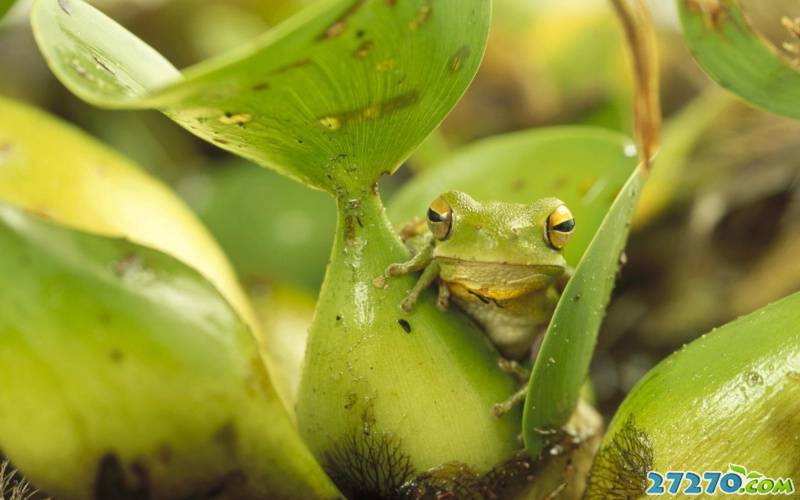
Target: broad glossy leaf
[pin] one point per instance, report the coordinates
(563, 361)
(584, 167)
(730, 397)
(125, 374)
(53, 169)
(738, 57)
(335, 96)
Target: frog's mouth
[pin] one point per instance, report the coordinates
(496, 280)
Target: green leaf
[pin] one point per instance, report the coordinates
(335, 96)
(5, 6)
(79, 182)
(731, 396)
(562, 363)
(584, 167)
(115, 358)
(737, 468)
(738, 58)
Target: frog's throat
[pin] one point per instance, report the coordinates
(497, 282)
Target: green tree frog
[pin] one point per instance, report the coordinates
(502, 263)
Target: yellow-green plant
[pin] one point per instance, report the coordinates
(133, 365)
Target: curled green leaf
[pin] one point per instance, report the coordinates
(335, 96)
(739, 58)
(731, 397)
(125, 374)
(79, 182)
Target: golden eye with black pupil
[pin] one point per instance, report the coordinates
(440, 218)
(560, 226)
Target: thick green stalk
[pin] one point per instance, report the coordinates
(384, 394)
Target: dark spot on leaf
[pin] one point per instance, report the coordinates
(518, 184)
(164, 453)
(292, 65)
(338, 317)
(6, 148)
(560, 182)
(391, 3)
(620, 469)
(457, 61)
(368, 464)
(349, 229)
(117, 356)
(391, 105)
(713, 13)
(113, 483)
(127, 264)
(350, 400)
(258, 87)
(104, 318)
(405, 325)
(399, 102)
(340, 25)
(362, 50)
(66, 6)
(423, 14)
(360, 33)
(226, 437)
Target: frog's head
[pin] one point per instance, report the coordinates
(499, 250)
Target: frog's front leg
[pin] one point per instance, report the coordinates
(422, 260)
(519, 372)
(423, 255)
(500, 409)
(443, 300)
(429, 275)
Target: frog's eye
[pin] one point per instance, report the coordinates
(440, 218)
(560, 226)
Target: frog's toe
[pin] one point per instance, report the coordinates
(500, 409)
(395, 270)
(443, 304)
(408, 304)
